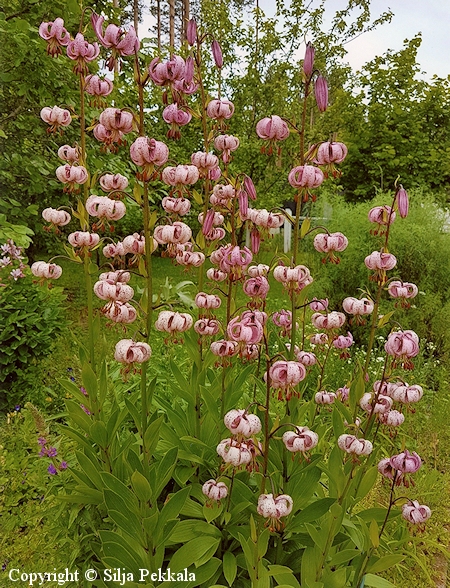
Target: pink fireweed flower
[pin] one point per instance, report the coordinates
(204, 161)
(406, 462)
(56, 36)
(71, 175)
(176, 117)
(56, 117)
(226, 144)
(220, 109)
(274, 508)
(415, 513)
(256, 287)
(147, 153)
(120, 312)
(324, 397)
(402, 201)
(113, 291)
(179, 206)
(240, 422)
(235, 452)
(59, 218)
(167, 72)
(207, 301)
(355, 446)
(272, 128)
(321, 93)
(392, 418)
(69, 154)
(305, 176)
(207, 327)
(216, 275)
(113, 182)
(82, 52)
(382, 405)
(302, 439)
(97, 86)
(217, 54)
(333, 320)
(402, 345)
(104, 207)
(294, 279)
(325, 243)
(285, 375)
(407, 394)
(318, 305)
(224, 348)
(181, 175)
(128, 351)
(173, 322)
(134, 244)
(48, 271)
(215, 490)
(176, 233)
(121, 42)
(116, 276)
(83, 239)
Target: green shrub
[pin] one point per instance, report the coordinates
(30, 318)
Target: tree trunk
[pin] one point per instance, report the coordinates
(158, 23)
(172, 24)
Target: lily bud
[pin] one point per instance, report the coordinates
(191, 32)
(402, 202)
(321, 92)
(217, 54)
(308, 62)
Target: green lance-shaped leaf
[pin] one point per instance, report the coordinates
(311, 513)
(229, 567)
(141, 487)
(192, 552)
(384, 563)
(377, 582)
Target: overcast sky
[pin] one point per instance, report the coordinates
(430, 17)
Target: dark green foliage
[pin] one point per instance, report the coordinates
(30, 318)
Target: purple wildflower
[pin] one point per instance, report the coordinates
(52, 470)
